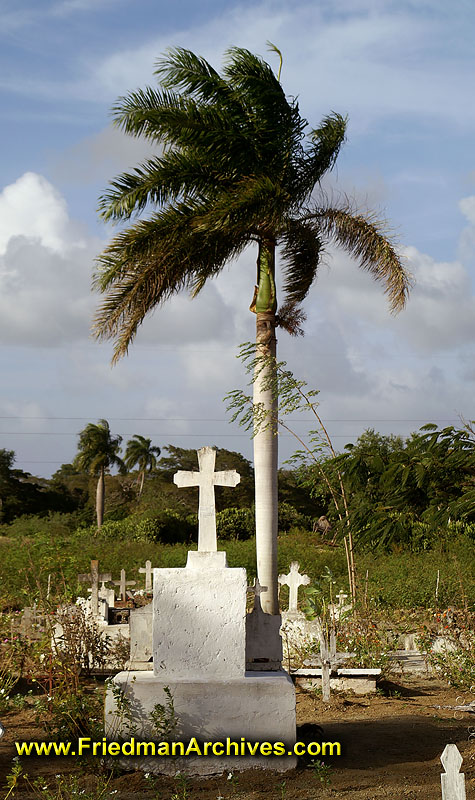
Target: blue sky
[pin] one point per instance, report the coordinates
(402, 71)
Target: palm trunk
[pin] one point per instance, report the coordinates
(142, 479)
(100, 497)
(265, 440)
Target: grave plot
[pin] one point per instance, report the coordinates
(199, 657)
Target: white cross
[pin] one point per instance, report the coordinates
(207, 479)
(341, 598)
(94, 577)
(257, 590)
(293, 580)
(122, 584)
(148, 575)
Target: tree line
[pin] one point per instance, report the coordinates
(400, 493)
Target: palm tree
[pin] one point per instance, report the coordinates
(140, 451)
(98, 452)
(233, 167)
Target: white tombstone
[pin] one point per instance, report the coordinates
(337, 610)
(141, 632)
(263, 640)
(453, 782)
(199, 651)
(294, 580)
(147, 570)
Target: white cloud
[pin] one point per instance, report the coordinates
(33, 208)
(467, 207)
(439, 316)
(46, 264)
(370, 63)
(466, 249)
(45, 267)
(372, 60)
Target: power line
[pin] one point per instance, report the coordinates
(220, 419)
(167, 434)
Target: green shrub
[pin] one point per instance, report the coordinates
(168, 527)
(235, 523)
(289, 518)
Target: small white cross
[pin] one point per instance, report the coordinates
(94, 577)
(341, 598)
(148, 575)
(207, 479)
(122, 584)
(257, 590)
(293, 580)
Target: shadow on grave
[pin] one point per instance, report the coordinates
(368, 744)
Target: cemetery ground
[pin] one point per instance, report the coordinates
(392, 741)
(391, 749)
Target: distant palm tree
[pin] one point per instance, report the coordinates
(98, 452)
(234, 166)
(140, 451)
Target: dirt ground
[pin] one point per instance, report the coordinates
(391, 746)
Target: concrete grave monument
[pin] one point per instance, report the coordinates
(147, 570)
(297, 631)
(263, 640)
(340, 608)
(199, 656)
(96, 610)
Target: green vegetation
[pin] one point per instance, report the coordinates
(414, 496)
(394, 580)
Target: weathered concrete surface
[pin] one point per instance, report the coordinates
(360, 681)
(199, 623)
(140, 622)
(298, 634)
(263, 641)
(258, 706)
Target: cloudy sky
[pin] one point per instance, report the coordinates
(403, 71)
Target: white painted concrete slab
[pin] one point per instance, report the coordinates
(199, 623)
(257, 706)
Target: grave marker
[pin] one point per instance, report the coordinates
(122, 584)
(341, 597)
(207, 479)
(453, 782)
(94, 577)
(257, 590)
(147, 570)
(293, 580)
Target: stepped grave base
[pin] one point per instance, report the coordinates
(260, 707)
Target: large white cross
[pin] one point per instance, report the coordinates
(293, 580)
(207, 479)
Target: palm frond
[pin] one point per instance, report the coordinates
(301, 254)
(177, 175)
(148, 263)
(321, 154)
(365, 238)
(183, 70)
